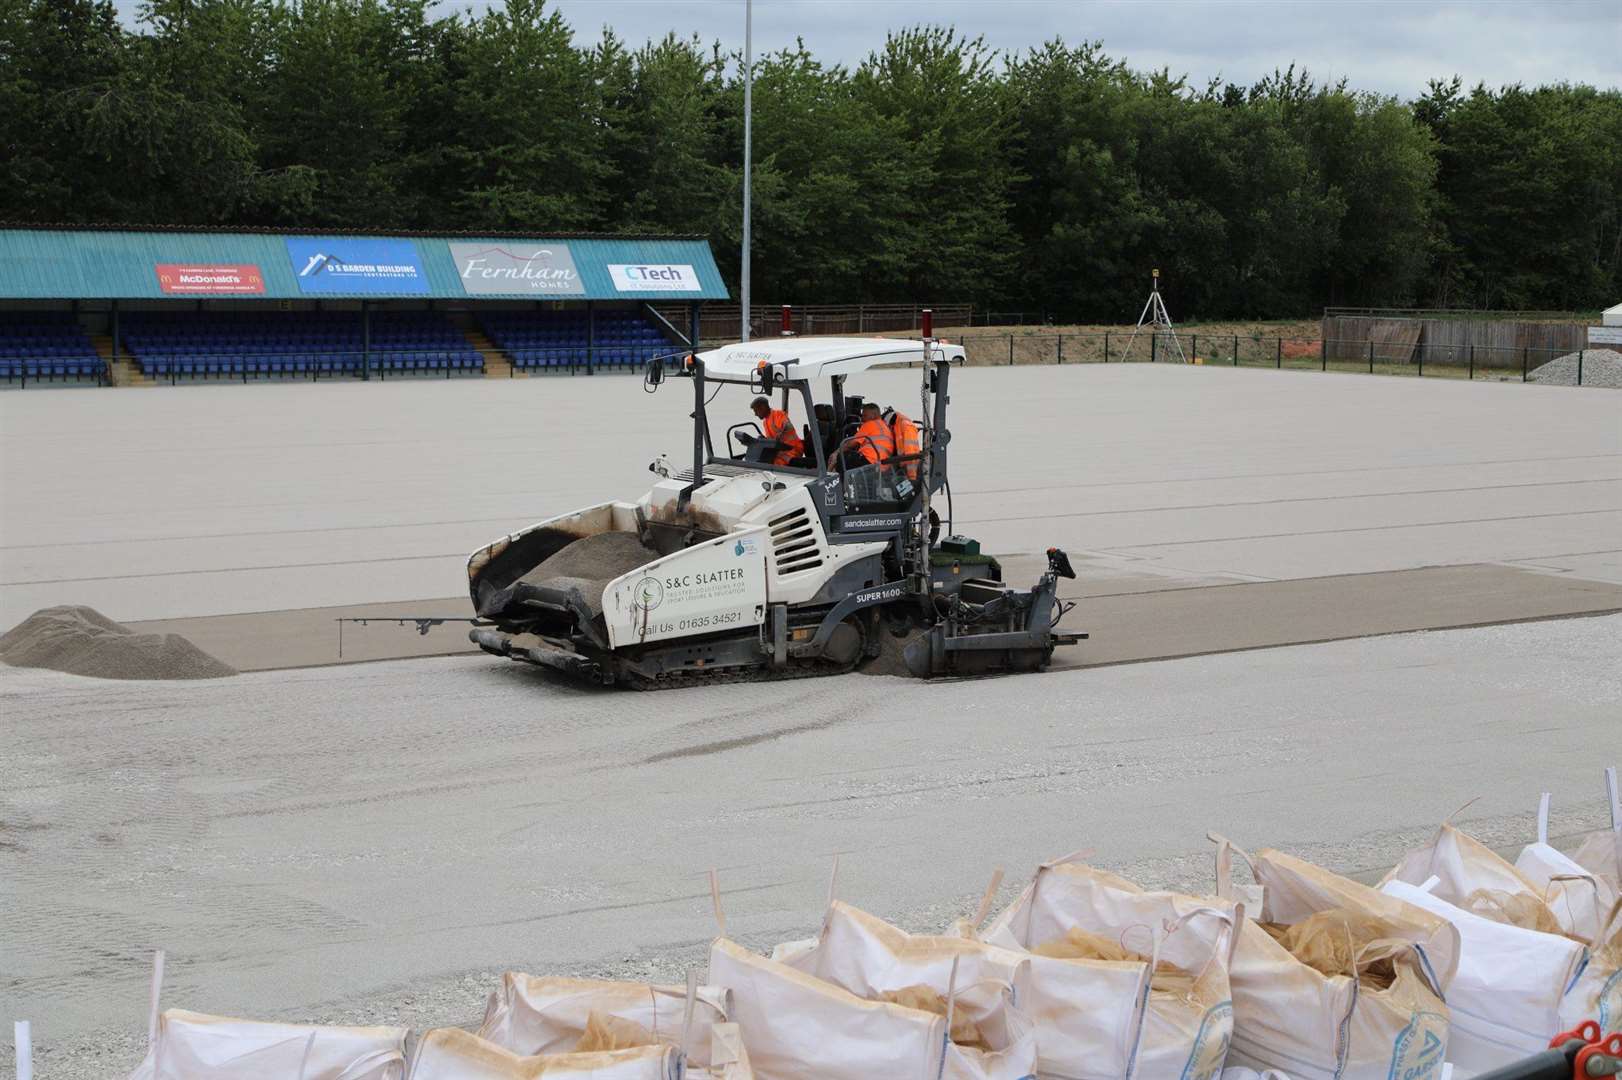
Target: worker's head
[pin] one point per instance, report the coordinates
(870, 411)
(760, 407)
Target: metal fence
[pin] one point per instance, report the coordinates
(1237, 350)
(20, 372)
(1469, 362)
(717, 321)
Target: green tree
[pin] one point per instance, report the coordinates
(524, 140)
(954, 116)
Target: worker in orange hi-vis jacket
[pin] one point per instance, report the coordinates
(909, 441)
(774, 423)
(873, 442)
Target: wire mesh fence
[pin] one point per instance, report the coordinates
(1582, 367)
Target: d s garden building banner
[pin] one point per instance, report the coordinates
(346, 265)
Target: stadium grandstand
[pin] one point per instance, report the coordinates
(127, 306)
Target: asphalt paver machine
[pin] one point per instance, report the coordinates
(736, 567)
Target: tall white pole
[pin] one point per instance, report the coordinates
(748, 148)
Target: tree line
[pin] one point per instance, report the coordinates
(937, 168)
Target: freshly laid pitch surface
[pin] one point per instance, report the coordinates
(375, 842)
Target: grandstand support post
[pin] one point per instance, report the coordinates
(1106, 346)
(1194, 346)
(1472, 363)
(1061, 349)
(1154, 348)
(1525, 350)
(591, 337)
(1371, 356)
(1323, 354)
(1580, 366)
(1236, 350)
(365, 341)
(1278, 352)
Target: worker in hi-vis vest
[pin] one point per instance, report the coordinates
(775, 424)
(909, 441)
(874, 441)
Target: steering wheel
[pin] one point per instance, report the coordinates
(742, 429)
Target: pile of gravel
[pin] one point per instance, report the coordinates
(602, 557)
(83, 641)
(1601, 367)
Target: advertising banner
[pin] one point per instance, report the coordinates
(517, 268)
(346, 265)
(195, 279)
(654, 277)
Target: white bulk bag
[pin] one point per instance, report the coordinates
(1579, 898)
(1472, 876)
(870, 958)
(194, 1046)
(530, 1015)
(453, 1054)
(729, 1060)
(1103, 1018)
(1291, 1017)
(796, 1026)
(1601, 852)
(1505, 998)
(1597, 994)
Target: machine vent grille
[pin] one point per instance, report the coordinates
(794, 542)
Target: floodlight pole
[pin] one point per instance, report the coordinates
(748, 147)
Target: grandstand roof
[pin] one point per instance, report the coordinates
(73, 262)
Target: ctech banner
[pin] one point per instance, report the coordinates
(327, 265)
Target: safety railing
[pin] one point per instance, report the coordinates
(586, 360)
(19, 371)
(312, 364)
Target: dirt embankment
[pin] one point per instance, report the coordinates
(83, 641)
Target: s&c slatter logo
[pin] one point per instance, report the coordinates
(650, 593)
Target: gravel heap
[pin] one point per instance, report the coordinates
(83, 641)
(594, 558)
(1601, 367)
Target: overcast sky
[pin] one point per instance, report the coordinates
(1393, 46)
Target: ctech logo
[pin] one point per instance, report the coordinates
(745, 546)
(1419, 1048)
